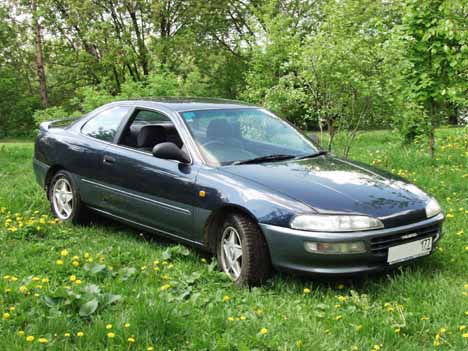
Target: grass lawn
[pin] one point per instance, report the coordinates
(108, 286)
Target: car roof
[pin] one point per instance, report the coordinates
(180, 104)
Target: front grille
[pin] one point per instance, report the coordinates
(379, 245)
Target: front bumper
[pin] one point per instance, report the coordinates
(288, 253)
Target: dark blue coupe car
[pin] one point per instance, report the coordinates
(235, 180)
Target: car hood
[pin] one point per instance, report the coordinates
(333, 185)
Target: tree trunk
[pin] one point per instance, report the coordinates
(431, 135)
(431, 142)
(142, 50)
(41, 75)
(453, 115)
(331, 132)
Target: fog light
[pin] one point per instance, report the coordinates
(353, 247)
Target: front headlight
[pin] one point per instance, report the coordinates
(335, 223)
(432, 208)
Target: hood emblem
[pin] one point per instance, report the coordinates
(409, 236)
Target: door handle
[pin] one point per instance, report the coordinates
(109, 160)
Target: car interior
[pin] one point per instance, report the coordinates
(149, 128)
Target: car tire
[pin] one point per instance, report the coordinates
(65, 200)
(242, 251)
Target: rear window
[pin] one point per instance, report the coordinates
(104, 126)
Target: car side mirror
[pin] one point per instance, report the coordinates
(170, 151)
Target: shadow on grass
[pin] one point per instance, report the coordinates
(361, 283)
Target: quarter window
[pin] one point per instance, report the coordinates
(104, 126)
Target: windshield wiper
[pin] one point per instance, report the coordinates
(317, 154)
(268, 158)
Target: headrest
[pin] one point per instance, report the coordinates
(218, 128)
(150, 136)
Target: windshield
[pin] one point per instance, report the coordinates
(228, 136)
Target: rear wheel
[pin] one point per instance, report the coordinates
(64, 199)
(242, 251)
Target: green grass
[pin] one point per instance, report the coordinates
(183, 303)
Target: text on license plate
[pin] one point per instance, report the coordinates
(409, 250)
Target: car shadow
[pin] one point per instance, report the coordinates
(361, 283)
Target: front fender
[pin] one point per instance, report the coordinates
(222, 190)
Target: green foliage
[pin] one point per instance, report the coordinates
(435, 36)
(337, 66)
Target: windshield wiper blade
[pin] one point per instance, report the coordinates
(317, 154)
(278, 157)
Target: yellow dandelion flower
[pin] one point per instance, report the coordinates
(397, 330)
(165, 287)
(127, 325)
(338, 317)
(59, 262)
(78, 282)
(465, 335)
(342, 298)
(64, 253)
(75, 263)
(131, 340)
(72, 278)
(461, 327)
(67, 335)
(150, 348)
(424, 318)
(226, 298)
(30, 338)
(306, 291)
(21, 332)
(23, 289)
(45, 280)
(359, 327)
(203, 260)
(6, 315)
(111, 335)
(242, 318)
(230, 319)
(80, 334)
(263, 331)
(109, 326)
(43, 340)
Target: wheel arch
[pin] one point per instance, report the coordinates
(50, 174)
(216, 219)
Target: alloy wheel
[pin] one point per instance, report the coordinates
(231, 254)
(62, 198)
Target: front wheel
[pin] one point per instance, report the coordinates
(64, 199)
(242, 251)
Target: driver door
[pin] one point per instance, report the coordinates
(141, 188)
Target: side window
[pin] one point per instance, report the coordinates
(104, 126)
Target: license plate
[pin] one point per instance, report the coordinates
(409, 250)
